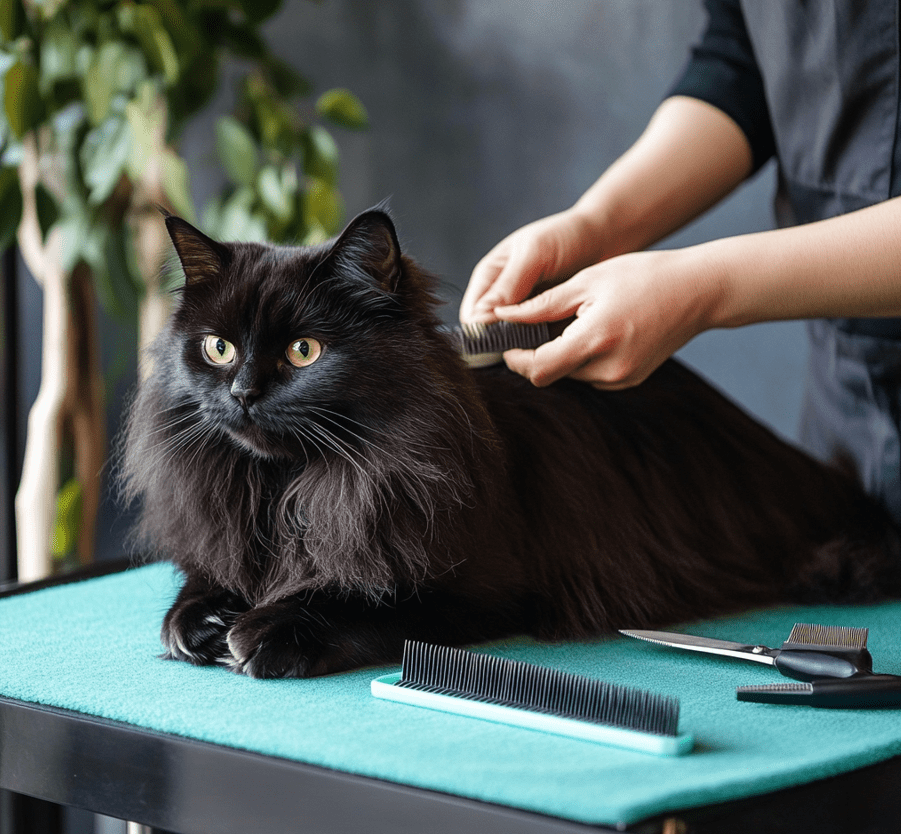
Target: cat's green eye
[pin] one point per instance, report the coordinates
(303, 352)
(218, 350)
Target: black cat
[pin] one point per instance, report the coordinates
(332, 479)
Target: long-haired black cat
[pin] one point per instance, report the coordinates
(332, 479)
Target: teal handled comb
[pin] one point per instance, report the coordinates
(535, 697)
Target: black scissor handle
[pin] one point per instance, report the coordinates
(810, 665)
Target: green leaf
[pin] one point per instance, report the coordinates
(59, 56)
(145, 114)
(343, 108)
(237, 150)
(148, 25)
(238, 221)
(97, 84)
(73, 232)
(322, 206)
(84, 18)
(275, 193)
(104, 156)
(180, 21)
(315, 234)
(115, 68)
(11, 200)
(7, 62)
(22, 98)
(12, 19)
(240, 38)
(48, 210)
(285, 80)
(115, 282)
(67, 524)
(177, 185)
(320, 154)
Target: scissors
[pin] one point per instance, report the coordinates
(831, 663)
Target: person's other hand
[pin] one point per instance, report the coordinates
(632, 312)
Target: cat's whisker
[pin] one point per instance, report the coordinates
(199, 441)
(167, 446)
(341, 426)
(172, 424)
(335, 445)
(327, 415)
(304, 436)
(177, 444)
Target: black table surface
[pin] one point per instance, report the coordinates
(191, 787)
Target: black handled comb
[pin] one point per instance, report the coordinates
(484, 344)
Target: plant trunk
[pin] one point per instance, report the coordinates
(71, 391)
(149, 235)
(151, 245)
(36, 496)
(85, 402)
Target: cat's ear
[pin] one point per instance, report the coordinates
(201, 257)
(370, 243)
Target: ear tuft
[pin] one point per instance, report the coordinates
(370, 242)
(202, 258)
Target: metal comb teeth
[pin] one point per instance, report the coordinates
(513, 683)
(843, 637)
(500, 336)
(776, 687)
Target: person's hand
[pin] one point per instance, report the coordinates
(632, 312)
(541, 253)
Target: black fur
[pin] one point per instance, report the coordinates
(387, 492)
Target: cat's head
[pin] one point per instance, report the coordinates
(291, 351)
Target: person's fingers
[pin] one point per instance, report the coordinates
(483, 276)
(553, 304)
(503, 278)
(555, 359)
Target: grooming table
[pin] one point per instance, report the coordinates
(91, 717)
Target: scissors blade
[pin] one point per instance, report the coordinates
(727, 648)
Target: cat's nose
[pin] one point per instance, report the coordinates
(246, 395)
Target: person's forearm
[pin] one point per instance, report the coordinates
(690, 156)
(848, 266)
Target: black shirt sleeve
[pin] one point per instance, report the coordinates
(723, 72)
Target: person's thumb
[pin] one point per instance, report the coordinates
(552, 305)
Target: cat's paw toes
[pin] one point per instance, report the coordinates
(262, 646)
(195, 632)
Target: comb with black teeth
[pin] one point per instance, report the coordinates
(535, 697)
(484, 344)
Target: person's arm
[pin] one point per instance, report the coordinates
(690, 156)
(636, 310)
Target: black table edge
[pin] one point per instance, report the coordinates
(186, 785)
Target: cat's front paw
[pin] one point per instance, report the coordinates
(195, 628)
(270, 642)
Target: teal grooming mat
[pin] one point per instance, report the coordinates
(92, 647)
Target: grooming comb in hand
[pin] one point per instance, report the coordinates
(481, 345)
